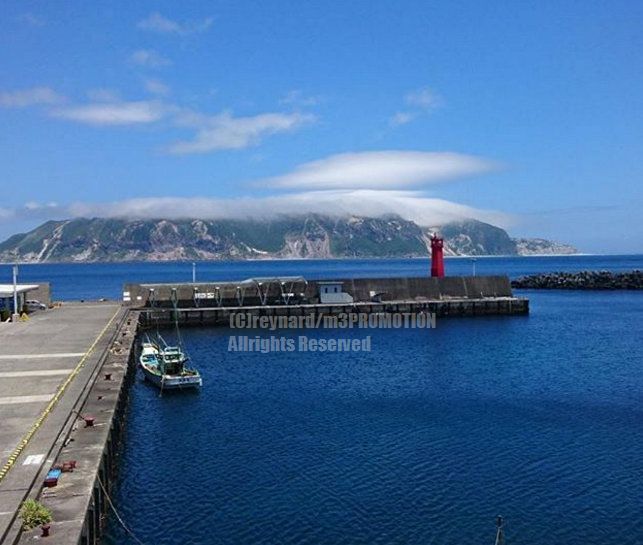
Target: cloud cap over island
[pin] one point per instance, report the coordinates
(373, 183)
(382, 169)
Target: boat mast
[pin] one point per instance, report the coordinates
(175, 304)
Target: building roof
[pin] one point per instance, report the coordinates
(6, 290)
(223, 283)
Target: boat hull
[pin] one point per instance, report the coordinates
(169, 382)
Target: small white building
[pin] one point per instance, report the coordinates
(6, 296)
(333, 293)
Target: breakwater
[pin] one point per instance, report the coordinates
(216, 303)
(224, 316)
(585, 280)
(296, 290)
(213, 303)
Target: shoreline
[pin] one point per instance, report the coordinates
(315, 259)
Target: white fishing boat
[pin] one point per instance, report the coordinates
(165, 366)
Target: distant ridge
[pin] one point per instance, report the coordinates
(302, 236)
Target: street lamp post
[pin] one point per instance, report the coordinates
(15, 292)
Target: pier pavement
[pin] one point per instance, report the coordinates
(45, 366)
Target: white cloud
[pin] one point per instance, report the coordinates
(155, 22)
(32, 20)
(424, 99)
(103, 95)
(224, 131)
(402, 118)
(149, 58)
(361, 184)
(211, 132)
(297, 98)
(31, 210)
(156, 87)
(30, 97)
(419, 101)
(7, 214)
(409, 205)
(33, 206)
(371, 185)
(113, 113)
(381, 169)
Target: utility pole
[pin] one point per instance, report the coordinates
(15, 294)
(193, 272)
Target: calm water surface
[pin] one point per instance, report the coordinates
(423, 440)
(94, 280)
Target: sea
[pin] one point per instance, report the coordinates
(424, 439)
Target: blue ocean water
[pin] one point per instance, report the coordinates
(94, 280)
(423, 440)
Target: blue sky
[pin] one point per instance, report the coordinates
(524, 114)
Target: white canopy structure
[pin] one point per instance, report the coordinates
(6, 290)
(6, 295)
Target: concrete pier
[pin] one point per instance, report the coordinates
(221, 316)
(81, 500)
(297, 290)
(213, 303)
(46, 367)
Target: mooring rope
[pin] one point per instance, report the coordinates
(118, 517)
(500, 533)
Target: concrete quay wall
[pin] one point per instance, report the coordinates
(226, 293)
(222, 316)
(80, 501)
(461, 287)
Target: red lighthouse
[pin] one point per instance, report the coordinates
(437, 258)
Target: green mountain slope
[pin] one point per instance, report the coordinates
(303, 236)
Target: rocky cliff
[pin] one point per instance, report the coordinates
(305, 236)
